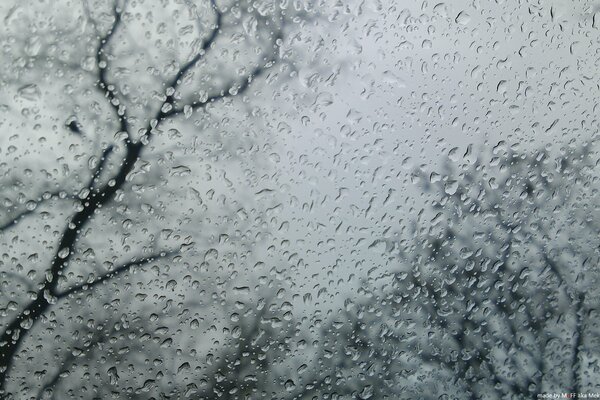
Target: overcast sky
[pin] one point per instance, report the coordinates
(392, 86)
(418, 79)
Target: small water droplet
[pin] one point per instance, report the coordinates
(64, 253)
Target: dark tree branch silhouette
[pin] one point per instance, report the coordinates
(495, 298)
(101, 192)
(121, 269)
(490, 280)
(20, 216)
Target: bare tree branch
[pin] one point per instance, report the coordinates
(98, 170)
(116, 272)
(206, 44)
(56, 377)
(20, 216)
(577, 344)
(14, 332)
(16, 219)
(232, 90)
(104, 86)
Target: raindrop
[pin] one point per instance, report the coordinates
(463, 18)
(30, 92)
(64, 252)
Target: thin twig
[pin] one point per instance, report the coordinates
(206, 44)
(116, 272)
(231, 90)
(104, 85)
(98, 170)
(20, 216)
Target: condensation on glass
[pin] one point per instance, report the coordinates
(299, 199)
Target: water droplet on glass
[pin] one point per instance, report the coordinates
(64, 253)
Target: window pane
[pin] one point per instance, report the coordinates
(299, 199)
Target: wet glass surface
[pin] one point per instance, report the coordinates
(299, 199)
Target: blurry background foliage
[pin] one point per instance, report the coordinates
(299, 199)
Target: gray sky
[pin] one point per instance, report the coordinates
(386, 87)
(418, 79)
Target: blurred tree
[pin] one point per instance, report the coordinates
(95, 204)
(118, 353)
(497, 294)
(502, 281)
